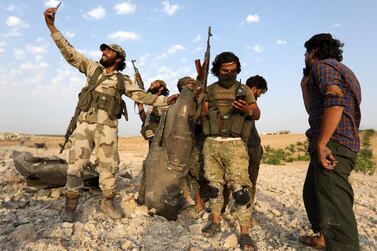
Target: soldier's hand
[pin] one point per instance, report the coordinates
(172, 99)
(50, 16)
(242, 106)
(325, 157)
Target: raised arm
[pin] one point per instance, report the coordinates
(73, 57)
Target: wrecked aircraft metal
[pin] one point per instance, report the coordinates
(167, 161)
(48, 172)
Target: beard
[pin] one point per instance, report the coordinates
(154, 90)
(107, 62)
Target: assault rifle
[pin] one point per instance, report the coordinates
(138, 78)
(202, 70)
(140, 83)
(71, 128)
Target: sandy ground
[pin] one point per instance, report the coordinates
(29, 218)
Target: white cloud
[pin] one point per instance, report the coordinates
(258, 48)
(36, 49)
(2, 47)
(171, 9)
(28, 66)
(198, 49)
(197, 38)
(121, 36)
(335, 25)
(16, 22)
(252, 18)
(125, 8)
(18, 53)
(281, 42)
(69, 34)
(171, 50)
(143, 59)
(96, 13)
(175, 47)
(51, 3)
(19, 9)
(96, 55)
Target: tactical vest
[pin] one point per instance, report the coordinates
(154, 120)
(221, 119)
(114, 105)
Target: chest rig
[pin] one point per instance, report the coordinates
(221, 119)
(114, 105)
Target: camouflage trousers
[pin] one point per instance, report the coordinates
(195, 165)
(226, 163)
(103, 140)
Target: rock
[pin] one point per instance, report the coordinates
(67, 225)
(231, 241)
(68, 231)
(128, 245)
(275, 212)
(196, 229)
(55, 193)
(142, 210)
(205, 216)
(129, 206)
(16, 204)
(24, 232)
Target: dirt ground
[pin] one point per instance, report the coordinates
(29, 217)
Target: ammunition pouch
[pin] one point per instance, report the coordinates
(85, 99)
(231, 125)
(228, 122)
(113, 105)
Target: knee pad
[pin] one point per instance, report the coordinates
(242, 197)
(213, 192)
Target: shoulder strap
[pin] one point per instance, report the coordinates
(211, 97)
(93, 81)
(120, 84)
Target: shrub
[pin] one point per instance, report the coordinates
(365, 161)
(279, 156)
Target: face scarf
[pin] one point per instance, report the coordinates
(227, 80)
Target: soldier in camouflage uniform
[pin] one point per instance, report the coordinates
(97, 126)
(151, 117)
(226, 120)
(258, 86)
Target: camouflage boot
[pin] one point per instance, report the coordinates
(108, 207)
(71, 201)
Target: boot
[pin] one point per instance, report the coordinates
(71, 201)
(108, 207)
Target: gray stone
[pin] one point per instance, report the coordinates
(24, 232)
(195, 229)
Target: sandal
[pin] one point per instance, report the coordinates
(211, 230)
(246, 243)
(314, 241)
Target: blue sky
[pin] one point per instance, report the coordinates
(38, 89)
